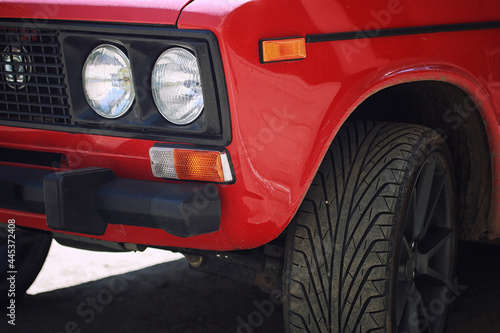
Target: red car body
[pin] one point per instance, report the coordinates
(284, 115)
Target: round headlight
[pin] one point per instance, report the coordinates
(107, 81)
(176, 86)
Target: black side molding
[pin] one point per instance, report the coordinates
(391, 32)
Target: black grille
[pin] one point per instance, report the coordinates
(32, 85)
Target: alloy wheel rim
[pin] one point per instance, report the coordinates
(425, 261)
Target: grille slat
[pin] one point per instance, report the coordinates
(42, 105)
(32, 77)
(29, 94)
(27, 32)
(31, 84)
(28, 114)
(33, 54)
(32, 64)
(59, 76)
(26, 44)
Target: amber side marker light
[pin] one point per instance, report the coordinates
(283, 49)
(190, 164)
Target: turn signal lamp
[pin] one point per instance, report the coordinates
(283, 49)
(190, 164)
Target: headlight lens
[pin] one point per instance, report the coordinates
(107, 81)
(176, 86)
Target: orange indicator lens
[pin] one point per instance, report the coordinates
(283, 49)
(198, 165)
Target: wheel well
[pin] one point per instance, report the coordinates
(452, 113)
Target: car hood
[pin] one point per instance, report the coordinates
(130, 11)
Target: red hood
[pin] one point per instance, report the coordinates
(131, 11)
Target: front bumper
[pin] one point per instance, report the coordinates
(86, 200)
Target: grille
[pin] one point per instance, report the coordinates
(32, 85)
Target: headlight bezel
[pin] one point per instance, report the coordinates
(143, 120)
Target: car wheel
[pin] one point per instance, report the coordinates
(372, 246)
(31, 249)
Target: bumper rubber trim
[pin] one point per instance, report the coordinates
(86, 200)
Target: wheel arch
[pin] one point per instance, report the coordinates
(458, 107)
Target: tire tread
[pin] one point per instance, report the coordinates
(356, 191)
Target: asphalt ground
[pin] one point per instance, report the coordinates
(156, 291)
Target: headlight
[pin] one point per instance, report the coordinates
(107, 81)
(176, 86)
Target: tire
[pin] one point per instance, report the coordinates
(359, 257)
(31, 249)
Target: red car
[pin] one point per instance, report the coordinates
(330, 152)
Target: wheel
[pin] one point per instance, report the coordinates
(30, 252)
(372, 246)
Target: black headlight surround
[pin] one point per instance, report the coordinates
(142, 44)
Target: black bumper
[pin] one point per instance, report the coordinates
(86, 200)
